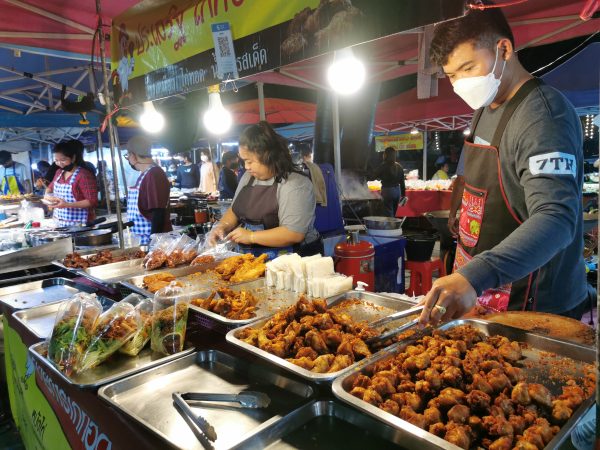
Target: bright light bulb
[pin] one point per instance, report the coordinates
(346, 74)
(217, 119)
(466, 132)
(414, 130)
(151, 120)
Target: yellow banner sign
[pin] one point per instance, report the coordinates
(405, 141)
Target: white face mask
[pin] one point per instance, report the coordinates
(203, 158)
(480, 91)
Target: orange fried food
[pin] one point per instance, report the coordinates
(156, 282)
(202, 259)
(231, 304)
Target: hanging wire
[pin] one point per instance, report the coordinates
(591, 36)
(480, 6)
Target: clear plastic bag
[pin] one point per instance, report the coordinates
(113, 328)
(158, 250)
(180, 250)
(169, 319)
(138, 341)
(73, 331)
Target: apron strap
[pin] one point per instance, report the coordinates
(513, 104)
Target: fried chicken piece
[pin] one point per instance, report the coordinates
(478, 400)
(424, 389)
(340, 362)
(505, 404)
(361, 381)
(360, 348)
(438, 429)
(307, 352)
(382, 385)
(358, 391)
(498, 380)
(497, 426)
(514, 374)
(410, 399)
(487, 366)
(249, 335)
(503, 443)
(323, 321)
(459, 413)
(522, 444)
(540, 394)
(518, 423)
(573, 396)
(390, 406)
(561, 412)
(371, 396)
(303, 361)
(432, 376)
(342, 319)
(417, 362)
(314, 339)
(449, 397)
(510, 351)
(452, 376)
(432, 415)
(532, 436)
(406, 386)
(323, 363)
(419, 420)
(520, 394)
(345, 348)
(391, 375)
(476, 425)
(458, 435)
(157, 281)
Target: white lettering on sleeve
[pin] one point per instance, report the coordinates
(555, 163)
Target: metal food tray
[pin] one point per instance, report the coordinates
(136, 283)
(381, 306)
(146, 397)
(537, 346)
(42, 292)
(326, 424)
(114, 368)
(40, 320)
(270, 300)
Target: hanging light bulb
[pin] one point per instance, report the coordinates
(467, 132)
(151, 120)
(217, 119)
(346, 74)
(414, 130)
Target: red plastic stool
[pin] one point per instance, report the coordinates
(421, 275)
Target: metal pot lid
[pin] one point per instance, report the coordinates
(382, 219)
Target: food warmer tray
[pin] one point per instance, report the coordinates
(136, 283)
(370, 307)
(270, 301)
(146, 397)
(116, 367)
(538, 347)
(40, 320)
(42, 292)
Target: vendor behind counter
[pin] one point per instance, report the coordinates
(274, 204)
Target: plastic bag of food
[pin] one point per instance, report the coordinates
(159, 245)
(169, 319)
(73, 331)
(181, 251)
(113, 328)
(139, 340)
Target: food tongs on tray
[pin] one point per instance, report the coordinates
(391, 318)
(204, 431)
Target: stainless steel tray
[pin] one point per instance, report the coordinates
(116, 252)
(146, 397)
(270, 301)
(538, 347)
(116, 367)
(327, 425)
(203, 283)
(42, 292)
(380, 306)
(40, 320)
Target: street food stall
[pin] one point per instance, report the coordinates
(183, 346)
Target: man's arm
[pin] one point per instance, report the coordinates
(159, 216)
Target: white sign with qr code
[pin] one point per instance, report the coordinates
(224, 52)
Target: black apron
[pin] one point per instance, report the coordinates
(486, 217)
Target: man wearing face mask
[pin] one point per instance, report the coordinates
(148, 199)
(520, 230)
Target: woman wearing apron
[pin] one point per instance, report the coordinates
(73, 192)
(273, 209)
(148, 199)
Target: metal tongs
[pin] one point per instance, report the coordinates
(246, 399)
(391, 318)
(203, 430)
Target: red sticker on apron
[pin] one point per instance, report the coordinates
(471, 216)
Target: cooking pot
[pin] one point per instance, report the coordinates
(36, 238)
(383, 223)
(93, 238)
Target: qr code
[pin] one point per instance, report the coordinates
(223, 43)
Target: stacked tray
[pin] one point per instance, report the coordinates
(369, 307)
(147, 398)
(270, 301)
(43, 292)
(538, 348)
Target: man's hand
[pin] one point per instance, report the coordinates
(453, 225)
(241, 236)
(454, 294)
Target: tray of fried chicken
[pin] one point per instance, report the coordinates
(76, 260)
(473, 384)
(319, 338)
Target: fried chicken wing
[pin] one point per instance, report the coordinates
(340, 362)
(510, 351)
(323, 363)
(540, 394)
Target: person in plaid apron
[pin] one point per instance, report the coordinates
(148, 199)
(73, 191)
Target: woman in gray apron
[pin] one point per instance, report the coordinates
(273, 209)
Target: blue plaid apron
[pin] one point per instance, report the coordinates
(68, 217)
(141, 226)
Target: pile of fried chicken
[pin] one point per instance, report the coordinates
(156, 282)
(231, 304)
(238, 269)
(465, 388)
(312, 336)
(76, 261)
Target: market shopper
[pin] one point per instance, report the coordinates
(15, 178)
(443, 168)
(73, 193)
(521, 243)
(208, 179)
(228, 181)
(391, 174)
(274, 202)
(188, 175)
(148, 199)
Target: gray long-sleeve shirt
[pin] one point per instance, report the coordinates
(541, 159)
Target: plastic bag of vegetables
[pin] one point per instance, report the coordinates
(169, 319)
(73, 331)
(137, 342)
(113, 328)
